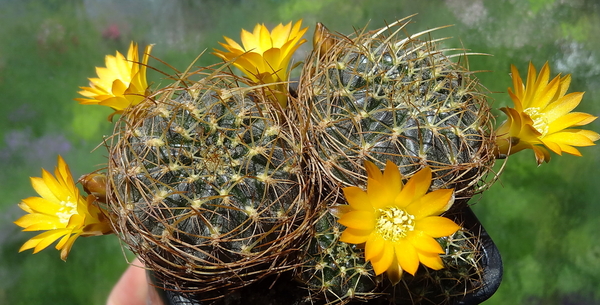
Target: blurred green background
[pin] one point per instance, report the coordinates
(544, 219)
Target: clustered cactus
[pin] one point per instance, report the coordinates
(214, 186)
(218, 184)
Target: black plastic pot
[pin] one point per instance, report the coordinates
(491, 261)
(286, 291)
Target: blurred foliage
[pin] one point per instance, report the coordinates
(543, 219)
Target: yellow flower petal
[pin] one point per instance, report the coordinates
(373, 246)
(37, 219)
(249, 40)
(383, 261)
(115, 102)
(353, 236)
(591, 135)
(436, 226)
(41, 205)
(431, 260)
(40, 186)
(63, 241)
(373, 171)
(357, 198)
(35, 241)
(391, 175)
(139, 80)
(118, 87)
(518, 88)
(280, 34)
(47, 238)
(25, 207)
(565, 82)
(380, 194)
(272, 64)
(264, 39)
(562, 106)
(414, 188)
(570, 120)
(558, 148)
(407, 256)
(568, 149)
(433, 203)
(424, 243)
(360, 220)
(231, 46)
(383, 188)
(66, 247)
(530, 87)
(574, 137)
(541, 91)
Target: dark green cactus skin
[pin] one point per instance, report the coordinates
(207, 186)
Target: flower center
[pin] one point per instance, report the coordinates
(540, 123)
(67, 209)
(393, 223)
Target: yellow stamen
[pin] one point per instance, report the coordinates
(67, 210)
(393, 223)
(540, 122)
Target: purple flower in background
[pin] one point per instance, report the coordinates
(22, 145)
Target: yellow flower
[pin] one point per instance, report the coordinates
(541, 117)
(265, 56)
(121, 84)
(397, 223)
(60, 211)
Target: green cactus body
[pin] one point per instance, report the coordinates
(205, 180)
(383, 97)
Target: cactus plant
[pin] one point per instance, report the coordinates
(380, 96)
(205, 184)
(215, 186)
